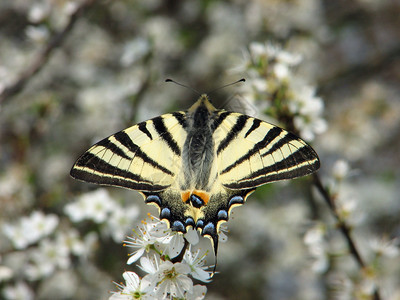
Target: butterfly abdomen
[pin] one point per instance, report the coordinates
(198, 149)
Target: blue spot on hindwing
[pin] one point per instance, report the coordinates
(154, 199)
(189, 222)
(165, 213)
(222, 215)
(200, 224)
(235, 200)
(178, 226)
(209, 229)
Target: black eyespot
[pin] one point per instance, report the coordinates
(196, 201)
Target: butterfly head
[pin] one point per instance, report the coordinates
(202, 102)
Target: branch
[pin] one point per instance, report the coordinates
(55, 42)
(343, 226)
(330, 201)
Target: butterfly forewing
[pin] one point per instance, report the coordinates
(144, 157)
(260, 153)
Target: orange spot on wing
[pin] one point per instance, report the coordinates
(185, 196)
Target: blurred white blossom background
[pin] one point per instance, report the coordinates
(327, 70)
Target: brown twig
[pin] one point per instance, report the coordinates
(343, 226)
(55, 41)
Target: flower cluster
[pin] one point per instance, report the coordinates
(328, 251)
(271, 76)
(157, 248)
(98, 206)
(41, 248)
(29, 230)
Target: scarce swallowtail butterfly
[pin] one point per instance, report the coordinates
(196, 165)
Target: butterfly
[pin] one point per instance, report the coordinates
(196, 165)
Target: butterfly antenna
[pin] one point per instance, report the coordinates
(226, 85)
(185, 86)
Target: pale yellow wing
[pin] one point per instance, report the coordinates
(144, 157)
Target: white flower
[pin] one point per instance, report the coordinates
(259, 85)
(257, 50)
(38, 12)
(287, 58)
(72, 241)
(281, 71)
(120, 296)
(192, 236)
(308, 109)
(148, 265)
(46, 258)
(39, 225)
(308, 127)
(174, 243)
(30, 229)
(94, 206)
(16, 234)
(99, 204)
(5, 273)
(340, 169)
(173, 280)
(199, 292)
(272, 52)
(134, 288)
(385, 247)
(38, 34)
(120, 221)
(222, 237)
(147, 234)
(314, 239)
(315, 235)
(196, 264)
(348, 209)
(20, 291)
(76, 211)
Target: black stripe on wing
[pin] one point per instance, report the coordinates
(181, 118)
(270, 136)
(125, 140)
(143, 128)
(221, 117)
(239, 125)
(113, 148)
(256, 124)
(109, 174)
(305, 158)
(166, 135)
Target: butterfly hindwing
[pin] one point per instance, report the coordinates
(144, 157)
